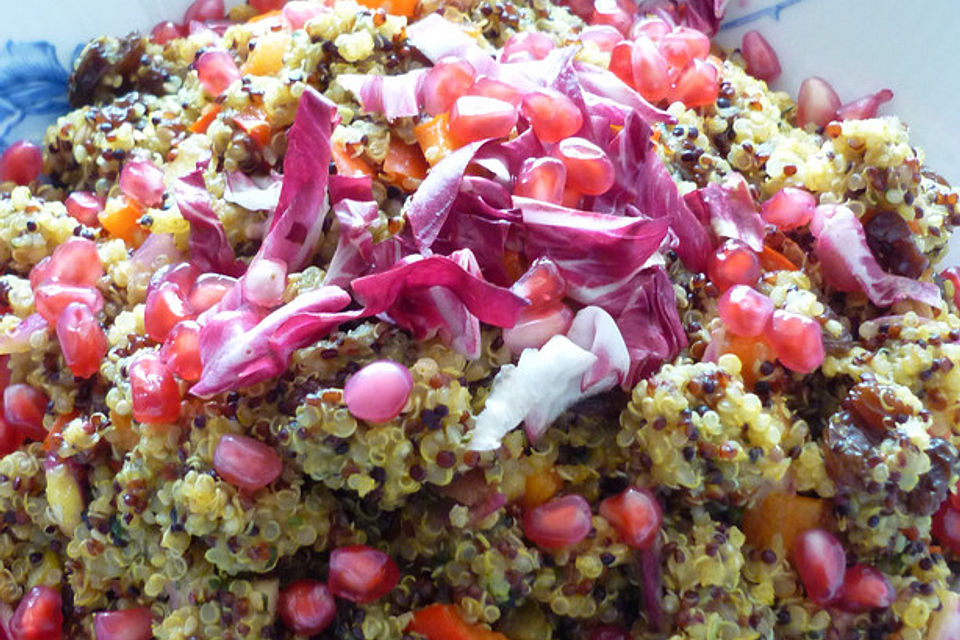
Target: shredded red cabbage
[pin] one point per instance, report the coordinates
(209, 248)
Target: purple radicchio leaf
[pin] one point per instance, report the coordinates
(395, 96)
(437, 38)
(702, 15)
(238, 349)
(256, 193)
(209, 248)
(730, 210)
(356, 210)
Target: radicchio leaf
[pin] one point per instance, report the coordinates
(730, 209)
(256, 193)
(394, 96)
(605, 94)
(594, 330)
(356, 210)
(848, 264)
(702, 15)
(439, 296)
(209, 248)
(437, 38)
(239, 349)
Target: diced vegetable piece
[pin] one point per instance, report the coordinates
(266, 58)
(443, 622)
(541, 485)
(404, 161)
(121, 219)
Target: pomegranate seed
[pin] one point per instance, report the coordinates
(10, 437)
(946, 526)
(541, 179)
(954, 499)
(476, 117)
(636, 516)
(263, 6)
(603, 36)
(182, 274)
(156, 396)
(164, 32)
(208, 290)
(733, 263)
(449, 79)
(683, 45)
(653, 28)
(52, 298)
(82, 340)
(583, 9)
(493, 88)
(142, 181)
(542, 285)
(532, 331)
(75, 262)
(610, 13)
(789, 208)
(265, 282)
(609, 632)
(797, 340)
(379, 391)
(164, 309)
(817, 102)
(524, 46)
(361, 574)
(216, 71)
(865, 588)
(552, 115)
(202, 10)
(745, 311)
(865, 107)
(621, 61)
(21, 163)
(649, 69)
(181, 350)
(821, 562)
(697, 85)
(559, 523)
(306, 607)
(39, 616)
(762, 61)
(297, 13)
(128, 624)
(84, 207)
(589, 169)
(246, 462)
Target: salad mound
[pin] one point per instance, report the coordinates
(473, 321)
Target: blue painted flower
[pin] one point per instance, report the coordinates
(32, 82)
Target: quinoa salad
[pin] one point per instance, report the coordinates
(473, 320)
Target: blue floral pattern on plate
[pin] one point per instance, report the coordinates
(33, 82)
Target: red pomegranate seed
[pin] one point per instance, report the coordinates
(142, 181)
(202, 10)
(611, 13)
(216, 71)
(127, 624)
(621, 61)
(524, 46)
(52, 298)
(181, 350)
(865, 107)
(24, 408)
(156, 396)
(208, 290)
(682, 45)
(797, 340)
(733, 263)
(164, 32)
(697, 85)
(581, 8)
(82, 340)
(265, 282)
(21, 163)
(821, 562)
(745, 311)
(559, 523)
(84, 207)
(533, 330)
(946, 526)
(603, 36)
(865, 588)
(74, 262)
(297, 13)
(552, 115)
(361, 574)
(262, 6)
(39, 616)
(246, 462)
(306, 607)
(542, 285)
(476, 117)
(589, 169)
(817, 102)
(649, 69)
(448, 80)
(954, 499)
(164, 309)
(762, 61)
(609, 632)
(182, 274)
(541, 179)
(636, 516)
(379, 391)
(10, 437)
(789, 208)
(493, 88)
(653, 28)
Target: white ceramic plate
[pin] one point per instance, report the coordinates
(860, 46)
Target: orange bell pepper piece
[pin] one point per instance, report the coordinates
(348, 164)
(396, 7)
(123, 221)
(434, 138)
(443, 622)
(207, 115)
(267, 55)
(254, 122)
(540, 487)
(55, 435)
(773, 260)
(404, 161)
